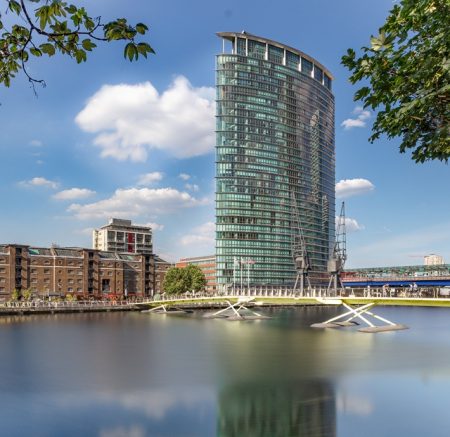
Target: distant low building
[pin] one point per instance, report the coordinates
(85, 273)
(403, 276)
(433, 260)
(122, 236)
(207, 265)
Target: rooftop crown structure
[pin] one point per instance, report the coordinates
(275, 143)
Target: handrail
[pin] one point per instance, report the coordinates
(268, 292)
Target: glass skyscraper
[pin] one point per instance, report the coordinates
(275, 161)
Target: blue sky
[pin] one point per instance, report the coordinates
(135, 140)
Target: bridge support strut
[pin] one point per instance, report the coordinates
(236, 312)
(358, 313)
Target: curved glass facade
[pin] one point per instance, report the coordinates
(275, 140)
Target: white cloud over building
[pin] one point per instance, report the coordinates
(201, 235)
(73, 193)
(150, 178)
(353, 187)
(136, 202)
(39, 182)
(362, 115)
(129, 120)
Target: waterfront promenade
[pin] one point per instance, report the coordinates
(46, 307)
(260, 297)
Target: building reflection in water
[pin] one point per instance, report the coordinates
(303, 408)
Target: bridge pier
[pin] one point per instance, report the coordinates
(236, 311)
(358, 313)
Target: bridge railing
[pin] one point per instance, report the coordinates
(285, 292)
(265, 292)
(89, 304)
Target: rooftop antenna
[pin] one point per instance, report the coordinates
(299, 251)
(339, 256)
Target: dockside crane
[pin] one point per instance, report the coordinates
(299, 250)
(338, 257)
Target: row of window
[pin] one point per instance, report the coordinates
(229, 263)
(286, 63)
(302, 91)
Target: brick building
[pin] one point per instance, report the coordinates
(207, 265)
(58, 271)
(161, 267)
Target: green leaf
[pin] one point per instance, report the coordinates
(143, 48)
(14, 7)
(71, 9)
(141, 28)
(130, 51)
(89, 23)
(48, 49)
(361, 93)
(43, 14)
(88, 44)
(35, 52)
(80, 56)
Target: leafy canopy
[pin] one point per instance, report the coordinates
(55, 26)
(407, 67)
(180, 280)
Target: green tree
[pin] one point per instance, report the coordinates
(55, 26)
(15, 295)
(180, 280)
(27, 294)
(70, 298)
(195, 278)
(407, 75)
(175, 281)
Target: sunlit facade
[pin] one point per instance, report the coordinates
(275, 142)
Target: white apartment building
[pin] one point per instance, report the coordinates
(122, 236)
(433, 260)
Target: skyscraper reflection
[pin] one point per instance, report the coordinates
(303, 408)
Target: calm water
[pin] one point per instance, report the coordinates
(134, 374)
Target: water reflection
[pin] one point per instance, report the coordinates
(306, 408)
(138, 375)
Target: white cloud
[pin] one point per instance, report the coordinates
(149, 178)
(39, 182)
(360, 121)
(355, 405)
(192, 187)
(353, 187)
(155, 226)
(73, 193)
(156, 404)
(351, 225)
(168, 256)
(36, 143)
(131, 119)
(133, 431)
(135, 202)
(201, 235)
(85, 231)
(184, 176)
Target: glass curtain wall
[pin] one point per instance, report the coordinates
(275, 143)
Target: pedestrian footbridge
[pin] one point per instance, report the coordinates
(357, 310)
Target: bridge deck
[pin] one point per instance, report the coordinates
(291, 300)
